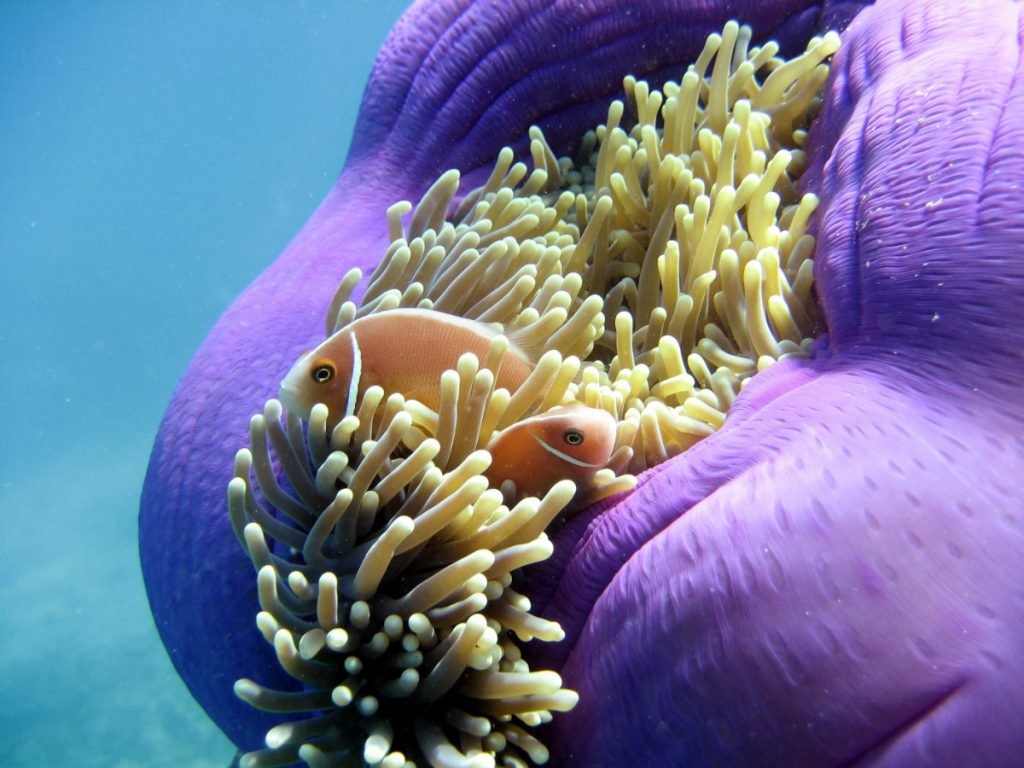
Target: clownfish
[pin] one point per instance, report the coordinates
(570, 442)
(401, 350)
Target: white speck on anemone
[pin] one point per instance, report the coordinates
(655, 275)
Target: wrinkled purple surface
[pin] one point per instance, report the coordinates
(835, 576)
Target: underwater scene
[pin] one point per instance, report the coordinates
(465, 384)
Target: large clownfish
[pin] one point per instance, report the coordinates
(569, 442)
(401, 350)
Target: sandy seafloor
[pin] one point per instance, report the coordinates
(154, 158)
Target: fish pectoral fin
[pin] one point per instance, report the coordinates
(508, 491)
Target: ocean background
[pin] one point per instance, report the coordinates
(154, 158)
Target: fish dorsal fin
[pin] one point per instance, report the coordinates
(491, 328)
(526, 342)
(521, 341)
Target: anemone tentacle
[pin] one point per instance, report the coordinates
(386, 588)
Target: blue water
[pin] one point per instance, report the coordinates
(154, 157)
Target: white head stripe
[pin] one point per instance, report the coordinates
(564, 456)
(353, 382)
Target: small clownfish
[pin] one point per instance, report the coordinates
(570, 442)
(401, 350)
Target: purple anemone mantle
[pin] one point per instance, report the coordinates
(833, 578)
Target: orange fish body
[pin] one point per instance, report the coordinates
(570, 442)
(401, 350)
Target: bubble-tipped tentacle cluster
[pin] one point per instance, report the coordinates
(672, 256)
(651, 277)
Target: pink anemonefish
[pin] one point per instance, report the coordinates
(570, 442)
(401, 350)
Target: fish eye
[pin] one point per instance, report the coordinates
(573, 437)
(323, 372)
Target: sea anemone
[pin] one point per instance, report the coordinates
(653, 277)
